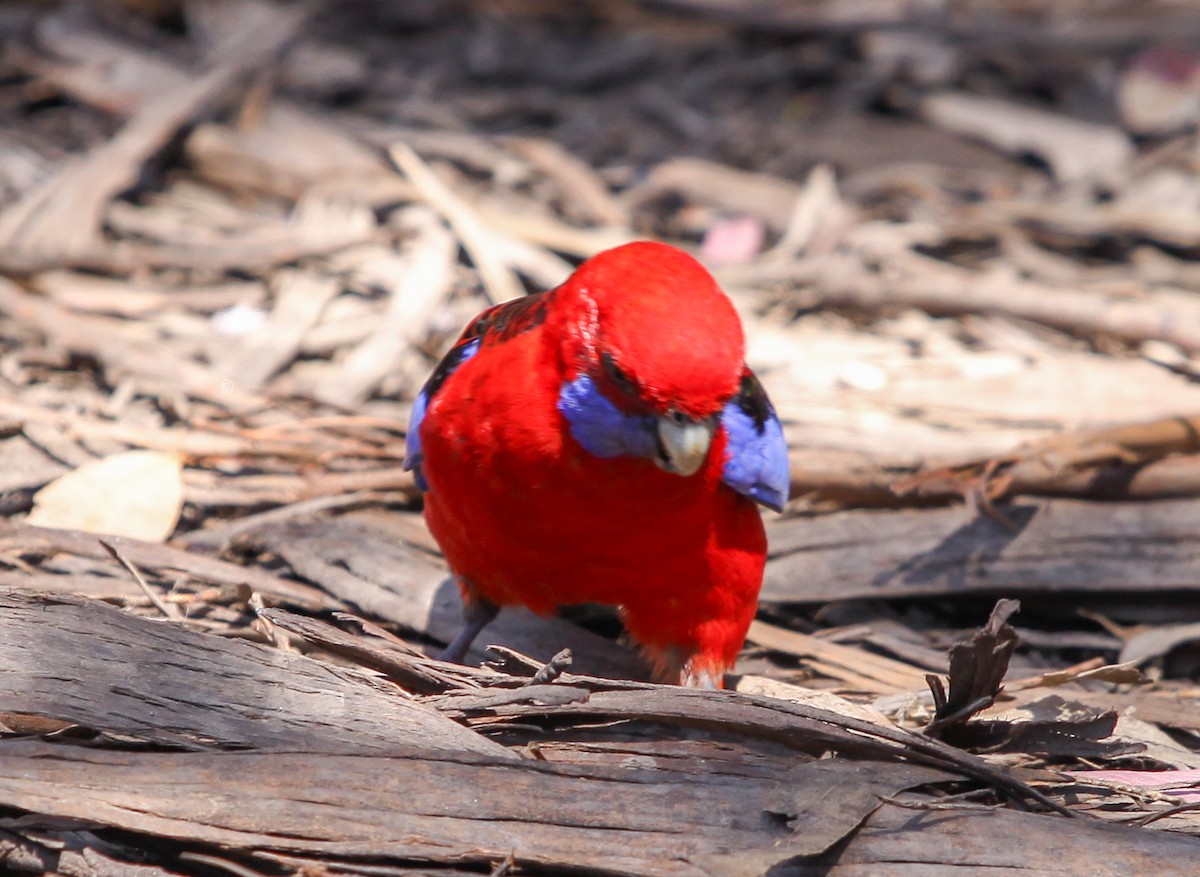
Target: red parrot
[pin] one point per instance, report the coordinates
(605, 442)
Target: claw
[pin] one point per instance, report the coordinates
(674, 665)
(707, 680)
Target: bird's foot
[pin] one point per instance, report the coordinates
(707, 679)
(676, 666)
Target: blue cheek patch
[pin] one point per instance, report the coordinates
(757, 461)
(413, 457)
(602, 428)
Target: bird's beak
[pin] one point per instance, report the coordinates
(683, 443)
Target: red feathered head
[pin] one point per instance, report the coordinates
(658, 329)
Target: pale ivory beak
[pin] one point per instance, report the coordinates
(683, 443)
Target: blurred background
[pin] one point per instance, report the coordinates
(951, 227)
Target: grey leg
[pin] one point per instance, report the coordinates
(477, 614)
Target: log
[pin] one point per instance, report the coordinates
(908, 843)
(1053, 546)
(464, 810)
(457, 808)
(81, 661)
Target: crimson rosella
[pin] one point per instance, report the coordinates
(604, 442)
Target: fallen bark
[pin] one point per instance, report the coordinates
(456, 808)
(897, 842)
(81, 661)
(1048, 546)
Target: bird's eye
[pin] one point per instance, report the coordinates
(619, 379)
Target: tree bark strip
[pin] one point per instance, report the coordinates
(1053, 546)
(456, 807)
(82, 661)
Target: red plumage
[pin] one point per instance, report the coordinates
(525, 515)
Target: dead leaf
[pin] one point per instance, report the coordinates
(976, 670)
(135, 493)
(1053, 727)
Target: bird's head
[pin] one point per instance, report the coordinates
(661, 343)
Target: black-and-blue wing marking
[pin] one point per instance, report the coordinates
(413, 457)
(496, 324)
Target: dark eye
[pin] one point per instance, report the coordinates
(619, 379)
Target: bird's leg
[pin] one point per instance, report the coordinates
(478, 613)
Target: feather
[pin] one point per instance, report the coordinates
(603, 429)
(413, 456)
(756, 462)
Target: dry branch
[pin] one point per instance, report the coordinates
(484, 244)
(1130, 461)
(422, 276)
(25, 540)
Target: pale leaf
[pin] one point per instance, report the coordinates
(135, 493)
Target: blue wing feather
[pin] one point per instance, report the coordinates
(412, 440)
(756, 462)
(413, 457)
(494, 325)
